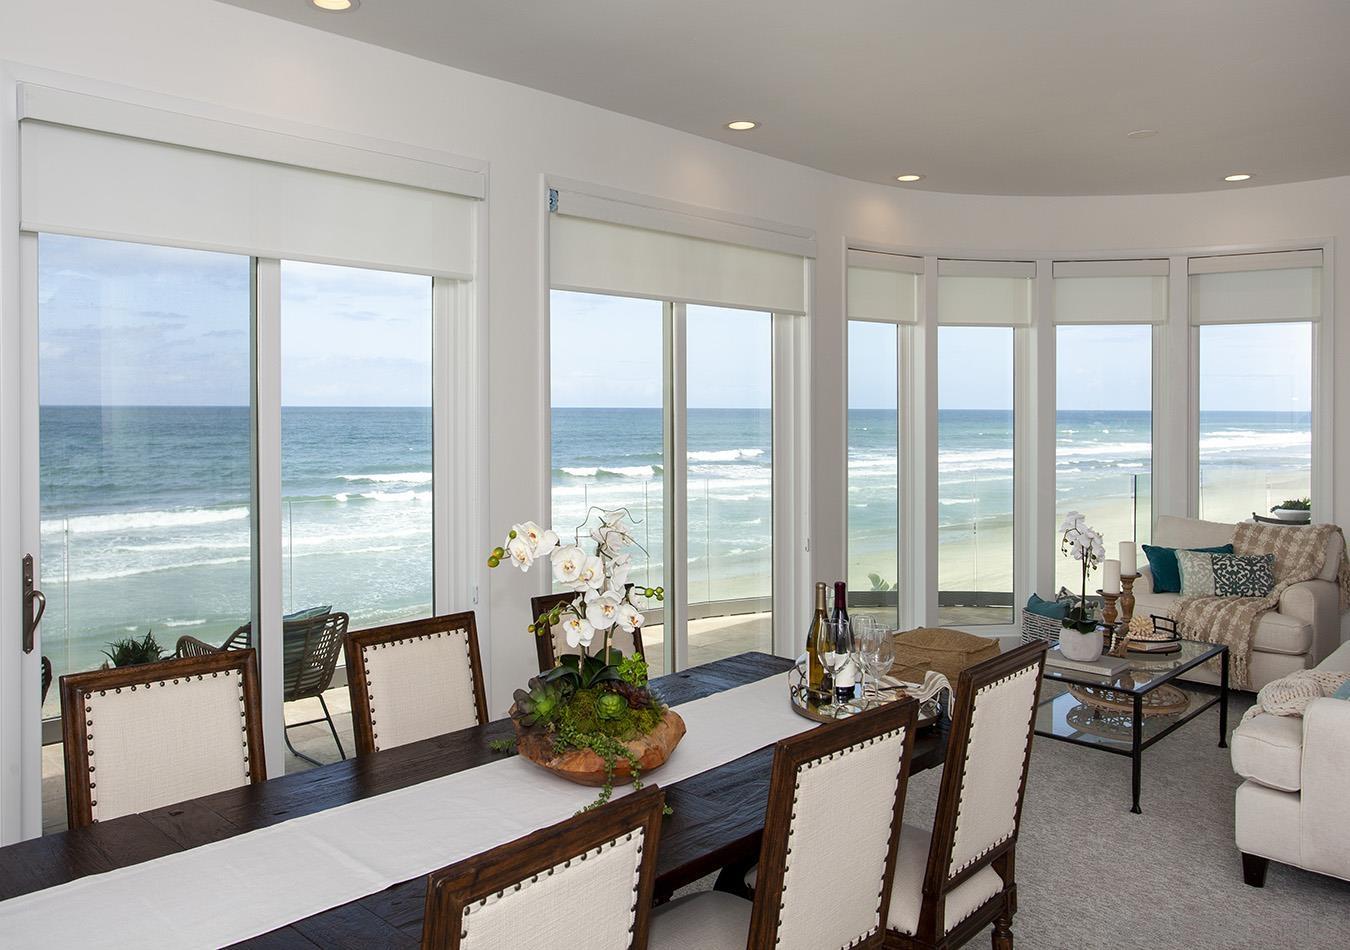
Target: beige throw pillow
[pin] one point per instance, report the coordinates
(1197, 573)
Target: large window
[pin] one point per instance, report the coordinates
(729, 481)
(608, 431)
(975, 475)
(873, 470)
(1104, 434)
(356, 442)
(1255, 418)
(146, 452)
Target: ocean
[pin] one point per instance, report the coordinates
(146, 521)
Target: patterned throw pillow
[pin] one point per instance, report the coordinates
(1244, 575)
(1197, 573)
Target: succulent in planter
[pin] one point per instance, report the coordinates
(539, 705)
(1294, 504)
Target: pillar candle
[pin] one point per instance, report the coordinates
(1111, 577)
(1129, 564)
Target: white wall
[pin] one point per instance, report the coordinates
(226, 57)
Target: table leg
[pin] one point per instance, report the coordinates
(1137, 753)
(1223, 700)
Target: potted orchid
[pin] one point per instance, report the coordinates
(1079, 639)
(592, 718)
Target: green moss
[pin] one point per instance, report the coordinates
(582, 714)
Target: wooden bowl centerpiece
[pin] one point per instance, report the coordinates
(585, 766)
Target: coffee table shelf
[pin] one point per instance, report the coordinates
(1126, 713)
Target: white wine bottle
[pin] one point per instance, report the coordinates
(818, 681)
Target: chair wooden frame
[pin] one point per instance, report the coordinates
(451, 889)
(543, 643)
(1000, 908)
(354, 644)
(789, 755)
(76, 687)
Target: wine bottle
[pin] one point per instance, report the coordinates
(818, 682)
(846, 675)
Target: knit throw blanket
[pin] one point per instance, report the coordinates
(1300, 554)
(1290, 695)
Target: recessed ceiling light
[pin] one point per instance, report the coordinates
(1236, 177)
(336, 6)
(741, 125)
(908, 177)
(1141, 134)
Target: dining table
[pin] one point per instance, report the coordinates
(716, 818)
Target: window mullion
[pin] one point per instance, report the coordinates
(676, 604)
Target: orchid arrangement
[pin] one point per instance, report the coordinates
(597, 701)
(1084, 545)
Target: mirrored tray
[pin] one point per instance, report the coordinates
(802, 705)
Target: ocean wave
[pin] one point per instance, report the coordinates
(639, 472)
(183, 623)
(147, 520)
(728, 455)
(408, 478)
(1229, 440)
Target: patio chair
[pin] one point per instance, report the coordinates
(311, 645)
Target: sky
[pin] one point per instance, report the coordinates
(129, 324)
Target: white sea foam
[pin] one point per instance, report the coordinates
(183, 623)
(407, 478)
(146, 520)
(728, 455)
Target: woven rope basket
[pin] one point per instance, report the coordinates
(944, 651)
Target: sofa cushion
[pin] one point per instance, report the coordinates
(1331, 566)
(1275, 632)
(1243, 575)
(1173, 531)
(1165, 569)
(1339, 661)
(1269, 749)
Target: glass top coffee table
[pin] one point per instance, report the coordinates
(1128, 712)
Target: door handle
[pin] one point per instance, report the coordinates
(31, 594)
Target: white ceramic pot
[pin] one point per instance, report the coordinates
(1083, 647)
(1290, 514)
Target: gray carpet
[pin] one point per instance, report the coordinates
(1091, 875)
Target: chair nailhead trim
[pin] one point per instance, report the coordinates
(462, 632)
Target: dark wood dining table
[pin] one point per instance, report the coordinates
(717, 818)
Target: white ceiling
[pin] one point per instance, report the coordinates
(1030, 97)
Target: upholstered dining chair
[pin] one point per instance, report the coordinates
(586, 881)
(548, 648)
(827, 858)
(141, 737)
(414, 680)
(956, 880)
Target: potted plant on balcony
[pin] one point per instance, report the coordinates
(1294, 509)
(1079, 638)
(593, 718)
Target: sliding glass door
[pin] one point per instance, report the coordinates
(874, 470)
(146, 457)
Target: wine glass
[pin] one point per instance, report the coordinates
(864, 628)
(880, 656)
(836, 638)
(845, 637)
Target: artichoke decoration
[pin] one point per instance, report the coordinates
(539, 704)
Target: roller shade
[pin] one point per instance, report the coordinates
(1111, 291)
(610, 246)
(88, 167)
(1256, 288)
(883, 288)
(985, 293)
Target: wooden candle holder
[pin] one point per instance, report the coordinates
(1127, 599)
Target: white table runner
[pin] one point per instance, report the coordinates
(250, 884)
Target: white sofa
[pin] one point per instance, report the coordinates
(1291, 808)
(1305, 628)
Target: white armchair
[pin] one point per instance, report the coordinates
(1291, 808)
(1304, 629)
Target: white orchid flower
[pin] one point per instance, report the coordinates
(541, 540)
(567, 564)
(602, 610)
(578, 631)
(520, 552)
(628, 618)
(592, 576)
(618, 573)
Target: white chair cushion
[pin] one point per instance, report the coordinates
(165, 742)
(1269, 749)
(420, 687)
(1275, 632)
(907, 893)
(706, 921)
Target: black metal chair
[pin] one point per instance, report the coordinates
(311, 646)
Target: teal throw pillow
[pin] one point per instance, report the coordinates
(1163, 563)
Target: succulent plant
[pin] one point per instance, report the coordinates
(540, 704)
(637, 697)
(611, 706)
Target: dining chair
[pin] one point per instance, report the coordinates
(827, 857)
(141, 737)
(953, 882)
(584, 882)
(311, 644)
(414, 680)
(548, 648)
